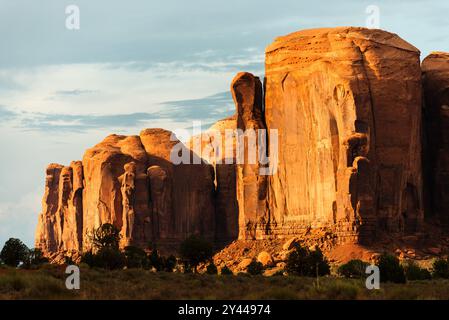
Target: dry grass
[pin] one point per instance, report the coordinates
(48, 283)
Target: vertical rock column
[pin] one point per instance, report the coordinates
(251, 186)
(435, 69)
(48, 231)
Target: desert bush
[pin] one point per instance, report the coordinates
(304, 262)
(106, 236)
(353, 269)
(14, 252)
(110, 259)
(35, 258)
(135, 257)
(441, 268)
(170, 263)
(195, 250)
(415, 272)
(156, 261)
(211, 268)
(255, 268)
(88, 258)
(390, 269)
(226, 271)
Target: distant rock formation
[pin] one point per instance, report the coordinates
(346, 103)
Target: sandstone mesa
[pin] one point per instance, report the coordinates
(360, 156)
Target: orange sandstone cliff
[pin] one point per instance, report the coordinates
(347, 106)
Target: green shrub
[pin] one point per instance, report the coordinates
(88, 258)
(110, 259)
(390, 269)
(304, 262)
(195, 250)
(135, 257)
(415, 272)
(226, 271)
(170, 263)
(68, 260)
(353, 269)
(441, 268)
(156, 261)
(14, 252)
(255, 268)
(106, 236)
(211, 268)
(35, 259)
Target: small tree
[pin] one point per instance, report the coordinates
(415, 272)
(109, 258)
(211, 268)
(105, 240)
(255, 268)
(14, 252)
(304, 262)
(441, 268)
(35, 258)
(226, 271)
(390, 269)
(170, 263)
(353, 269)
(88, 258)
(106, 236)
(196, 250)
(136, 257)
(156, 260)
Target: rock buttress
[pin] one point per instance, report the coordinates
(251, 185)
(347, 105)
(59, 226)
(217, 146)
(435, 69)
(188, 192)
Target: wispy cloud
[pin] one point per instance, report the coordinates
(205, 109)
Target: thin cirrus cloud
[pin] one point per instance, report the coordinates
(205, 109)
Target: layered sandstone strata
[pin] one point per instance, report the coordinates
(347, 105)
(435, 69)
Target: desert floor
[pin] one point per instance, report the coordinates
(49, 283)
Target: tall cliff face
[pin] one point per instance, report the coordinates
(435, 69)
(347, 106)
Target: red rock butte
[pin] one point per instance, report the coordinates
(352, 131)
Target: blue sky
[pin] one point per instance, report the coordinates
(136, 64)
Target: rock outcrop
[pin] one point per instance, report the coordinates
(251, 185)
(132, 183)
(217, 146)
(347, 106)
(60, 222)
(327, 150)
(435, 69)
